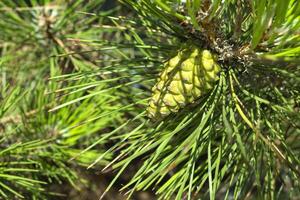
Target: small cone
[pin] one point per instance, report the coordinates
(187, 76)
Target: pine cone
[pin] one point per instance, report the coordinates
(187, 76)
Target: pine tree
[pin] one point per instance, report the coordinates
(198, 98)
(236, 140)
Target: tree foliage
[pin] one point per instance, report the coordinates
(238, 140)
(36, 144)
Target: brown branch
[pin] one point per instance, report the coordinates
(16, 118)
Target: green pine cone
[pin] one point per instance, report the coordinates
(187, 76)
